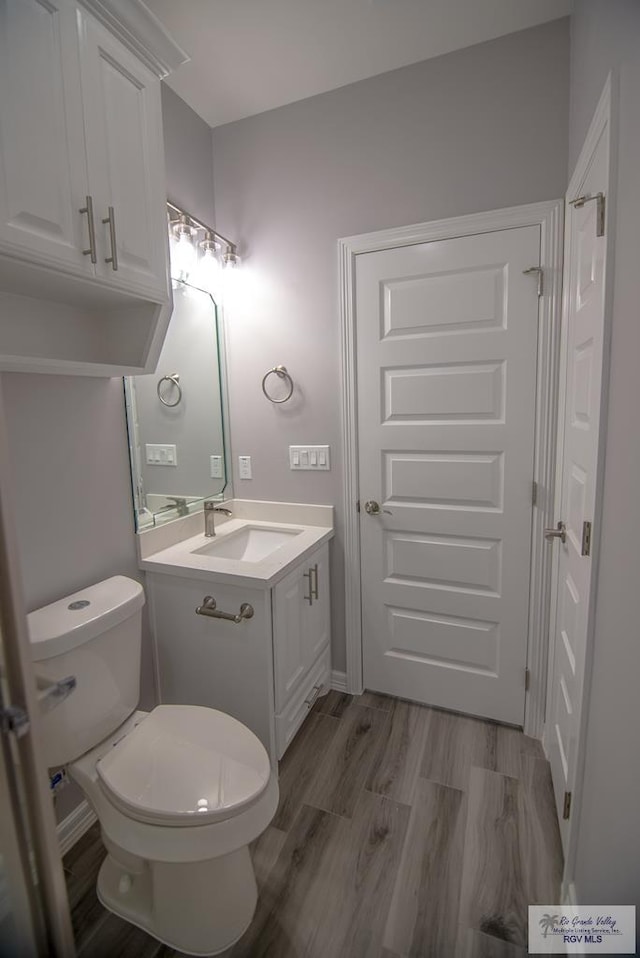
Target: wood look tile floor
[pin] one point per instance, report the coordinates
(402, 832)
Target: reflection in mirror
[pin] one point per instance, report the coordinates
(176, 416)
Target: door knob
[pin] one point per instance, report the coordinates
(372, 508)
(559, 533)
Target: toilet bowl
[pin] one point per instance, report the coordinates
(180, 792)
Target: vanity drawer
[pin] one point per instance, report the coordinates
(291, 718)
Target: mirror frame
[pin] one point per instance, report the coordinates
(196, 504)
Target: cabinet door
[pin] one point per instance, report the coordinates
(123, 130)
(301, 623)
(289, 642)
(43, 177)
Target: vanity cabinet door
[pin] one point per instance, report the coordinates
(123, 129)
(300, 623)
(43, 174)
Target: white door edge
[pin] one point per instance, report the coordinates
(605, 114)
(549, 216)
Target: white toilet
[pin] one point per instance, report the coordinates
(180, 792)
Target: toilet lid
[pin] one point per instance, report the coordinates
(185, 765)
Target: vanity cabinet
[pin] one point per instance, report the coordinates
(83, 238)
(266, 671)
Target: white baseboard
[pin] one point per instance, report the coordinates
(338, 681)
(72, 828)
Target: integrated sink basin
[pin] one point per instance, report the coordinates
(248, 544)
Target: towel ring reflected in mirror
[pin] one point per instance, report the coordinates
(174, 379)
(281, 372)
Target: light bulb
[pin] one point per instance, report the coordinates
(207, 272)
(231, 258)
(183, 256)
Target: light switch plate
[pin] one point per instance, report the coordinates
(244, 467)
(216, 467)
(312, 458)
(161, 454)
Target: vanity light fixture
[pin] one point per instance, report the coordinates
(185, 232)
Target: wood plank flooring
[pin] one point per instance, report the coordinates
(402, 832)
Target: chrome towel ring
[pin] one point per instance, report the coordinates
(174, 379)
(281, 372)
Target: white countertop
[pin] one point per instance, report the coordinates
(181, 558)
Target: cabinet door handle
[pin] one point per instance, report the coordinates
(312, 576)
(88, 209)
(309, 598)
(313, 698)
(111, 220)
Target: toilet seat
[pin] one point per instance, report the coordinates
(185, 765)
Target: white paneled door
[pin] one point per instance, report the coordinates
(581, 373)
(446, 377)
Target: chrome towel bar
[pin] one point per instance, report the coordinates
(208, 607)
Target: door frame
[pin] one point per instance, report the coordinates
(550, 217)
(605, 116)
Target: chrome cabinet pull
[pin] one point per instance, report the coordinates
(209, 607)
(88, 209)
(312, 576)
(111, 220)
(313, 698)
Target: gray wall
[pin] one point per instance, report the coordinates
(479, 129)
(188, 157)
(68, 442)
(606, 35)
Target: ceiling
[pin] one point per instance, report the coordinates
(248, 56)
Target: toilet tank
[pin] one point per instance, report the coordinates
(95, 635)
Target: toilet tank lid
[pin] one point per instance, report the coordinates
(78, 618)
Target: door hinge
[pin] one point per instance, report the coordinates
(586, 539)
(527, 679)
(600, 208)
(540, 274)
(15, 720)
(357, 505)
(534, 492)
(566, 806)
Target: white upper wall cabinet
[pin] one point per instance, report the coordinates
(83, 240)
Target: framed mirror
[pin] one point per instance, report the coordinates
(176, 417)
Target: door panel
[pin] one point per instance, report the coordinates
(125, 150)
(446, 370)
(43, 180)
(581, 369)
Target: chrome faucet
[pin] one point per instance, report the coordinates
(210, 509)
